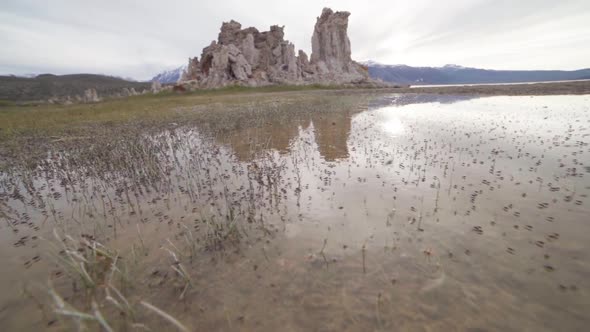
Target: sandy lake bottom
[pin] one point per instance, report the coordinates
(400, 213)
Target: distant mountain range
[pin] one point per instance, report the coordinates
(453, 74)
(45, 86)
(169, 76)
(448, 74)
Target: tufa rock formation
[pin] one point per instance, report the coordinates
(156, 86)
(252, 58)
(90, 96)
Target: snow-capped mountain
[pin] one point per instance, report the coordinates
(457, 67)
(447, 74)
(170, 76)
(371, 63)
(455, 74)
(22, 75)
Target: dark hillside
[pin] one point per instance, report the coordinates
(47, 86)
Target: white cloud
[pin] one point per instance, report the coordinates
(140, 38)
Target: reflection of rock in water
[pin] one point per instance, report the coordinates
(270, 135)
(250, 133)
(331, 134)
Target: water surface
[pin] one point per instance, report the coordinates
(396, 212)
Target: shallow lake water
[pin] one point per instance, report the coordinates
(401, 213)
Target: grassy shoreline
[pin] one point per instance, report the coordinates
(42, 122)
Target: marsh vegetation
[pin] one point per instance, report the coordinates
(311, 210)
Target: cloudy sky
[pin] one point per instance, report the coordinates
(139, 38)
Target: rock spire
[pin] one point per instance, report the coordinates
(252, 58)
